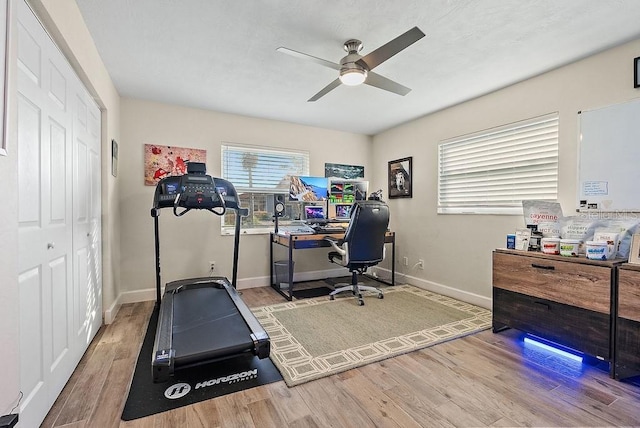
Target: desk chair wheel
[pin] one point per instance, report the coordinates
(380, 296)
(360, 302)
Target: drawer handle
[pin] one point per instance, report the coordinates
(546, 305)
(542, 266)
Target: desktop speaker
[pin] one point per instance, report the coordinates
(278, 205)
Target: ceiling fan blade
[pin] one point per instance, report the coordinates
(382, 82)
(309, 58)
(384, 52)
(330, 87)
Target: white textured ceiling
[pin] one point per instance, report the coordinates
(221, 54)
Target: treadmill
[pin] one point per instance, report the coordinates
(201, 320)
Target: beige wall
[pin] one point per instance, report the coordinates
(457, 248)
(190, 242)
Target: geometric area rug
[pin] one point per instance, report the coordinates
(318, 337)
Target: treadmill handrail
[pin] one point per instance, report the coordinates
(196, 191)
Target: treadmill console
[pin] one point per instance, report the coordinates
(195, 190)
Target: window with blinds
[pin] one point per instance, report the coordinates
(492, 171)
(258, 173)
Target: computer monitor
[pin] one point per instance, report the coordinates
(308, 188)
(314, 213)
(343, 191)
(343, 211)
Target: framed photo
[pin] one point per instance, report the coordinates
(636, 72)
(5, 10)
(634, 252)
(400, 179)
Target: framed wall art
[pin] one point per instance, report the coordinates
(166, 161)
(400, 179)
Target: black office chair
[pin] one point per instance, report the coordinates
(362, 245)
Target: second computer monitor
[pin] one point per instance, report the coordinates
(343, 211)
(314, 213)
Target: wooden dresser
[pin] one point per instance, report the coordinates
(627, 344)
(568, 300)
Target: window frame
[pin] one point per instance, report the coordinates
(265, 193)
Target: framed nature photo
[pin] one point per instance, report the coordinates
(400, 179)
(634, 252)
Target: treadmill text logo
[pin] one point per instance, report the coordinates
(177, 391)
(234, 378)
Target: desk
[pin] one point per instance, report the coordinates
(302, 242)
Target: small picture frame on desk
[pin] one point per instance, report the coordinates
(634, 252)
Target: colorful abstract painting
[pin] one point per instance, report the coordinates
(165, 161)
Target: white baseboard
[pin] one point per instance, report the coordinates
(263, 281)
(465, 296)
(243, 284)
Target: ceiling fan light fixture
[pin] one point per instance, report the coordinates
(353, 76)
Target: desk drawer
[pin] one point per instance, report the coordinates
(577, 328)
(576, 284)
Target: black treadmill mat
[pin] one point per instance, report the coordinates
(191, 385)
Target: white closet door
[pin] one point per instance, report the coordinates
(58, 178)
(86, 217)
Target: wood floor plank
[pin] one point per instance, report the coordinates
(264, 413)
(378, 406)
(204, 415)
(85, 393)
(331, 406)
(292, 406)
(109, 409)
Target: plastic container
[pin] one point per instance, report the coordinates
(550, 245)
(597, 250)
(570, 247)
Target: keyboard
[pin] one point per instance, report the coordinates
(330, 229)
(296, 229)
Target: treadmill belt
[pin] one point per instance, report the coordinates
(207, 325)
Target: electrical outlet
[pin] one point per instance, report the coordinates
(420, 264)
(212, 266)
(405, 261)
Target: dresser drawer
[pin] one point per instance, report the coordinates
(629, 294)
(582, 285)
(584, 330)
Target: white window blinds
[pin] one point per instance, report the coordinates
(492, 171)
(262, 170)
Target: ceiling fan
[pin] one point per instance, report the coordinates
(355, 69)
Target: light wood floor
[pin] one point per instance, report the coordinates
(481, 380)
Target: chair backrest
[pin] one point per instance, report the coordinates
(366, 232)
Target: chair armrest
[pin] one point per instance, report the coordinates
(334, 243)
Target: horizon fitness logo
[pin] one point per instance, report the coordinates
(181, 389)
